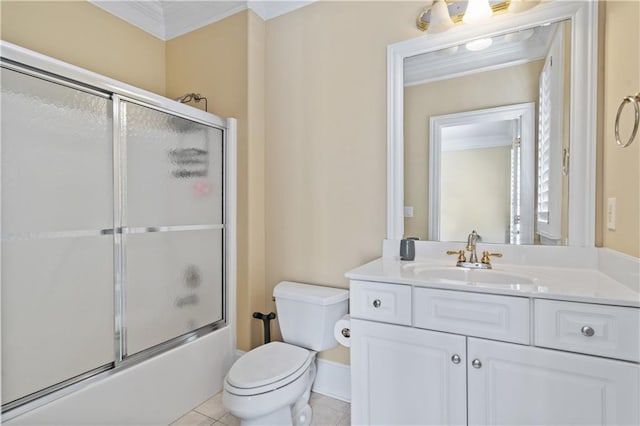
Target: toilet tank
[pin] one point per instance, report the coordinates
(307, 313)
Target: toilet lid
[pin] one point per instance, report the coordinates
(267, 364)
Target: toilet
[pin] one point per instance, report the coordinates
(271, 384)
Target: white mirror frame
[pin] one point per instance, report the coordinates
(582, 124)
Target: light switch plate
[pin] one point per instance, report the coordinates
(408, 211)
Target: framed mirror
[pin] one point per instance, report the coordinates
(492, 140)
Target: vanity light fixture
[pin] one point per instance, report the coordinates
(435, 14)
(517, 6)
(478, 11)
(440, 19)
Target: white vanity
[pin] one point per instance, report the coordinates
(546, 337)
(436, 344)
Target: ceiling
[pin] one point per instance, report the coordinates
(167, 19)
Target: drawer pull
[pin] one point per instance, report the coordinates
(587, 331)
(455, 359)
(377, 303)
(476, 363)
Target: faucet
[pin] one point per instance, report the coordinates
(472, 239)
(485, 262)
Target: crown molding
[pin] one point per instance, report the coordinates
(169, 19)
(146, 15)
(269, 9)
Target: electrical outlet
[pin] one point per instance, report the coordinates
(408, 211)
(611, 214)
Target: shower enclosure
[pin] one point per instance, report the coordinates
(115, 227)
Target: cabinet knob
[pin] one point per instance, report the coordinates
(476, 363)
(455, 359)
(587, 331)
(377, 303)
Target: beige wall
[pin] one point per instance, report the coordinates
(476, 180)
(506, 86)
(621, 167)
(84, 35)
(326, 139)
(224, 61)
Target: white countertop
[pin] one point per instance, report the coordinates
(570, 284)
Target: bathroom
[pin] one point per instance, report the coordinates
(309, 90)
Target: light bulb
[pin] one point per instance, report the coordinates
(440, 19)
(477, 11)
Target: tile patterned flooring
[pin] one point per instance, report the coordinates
(326, 412)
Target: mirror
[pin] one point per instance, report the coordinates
(489, 137)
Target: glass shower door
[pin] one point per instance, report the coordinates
(57, 233)
(172, 217)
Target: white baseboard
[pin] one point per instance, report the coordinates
(332, 379)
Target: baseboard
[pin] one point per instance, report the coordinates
(332, 379)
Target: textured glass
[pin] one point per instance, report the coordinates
(57, 311)
(56, 157)
(57, 271)
(173, 284)
(174, 169)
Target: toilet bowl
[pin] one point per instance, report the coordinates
(271, 384)
(264, 385)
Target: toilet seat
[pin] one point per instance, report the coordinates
(267, 368)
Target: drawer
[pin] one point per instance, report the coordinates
(503, 318)
(380, 302)
(610, 331)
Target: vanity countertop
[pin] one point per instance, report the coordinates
(569, 284)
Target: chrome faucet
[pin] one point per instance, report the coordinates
(473, 263)
(472, 239)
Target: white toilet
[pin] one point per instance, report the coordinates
(271, 384)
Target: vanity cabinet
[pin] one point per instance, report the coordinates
(469, 358)
(406, 376)
(524, 385)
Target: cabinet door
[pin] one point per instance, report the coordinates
(526, 385)
(406, 376)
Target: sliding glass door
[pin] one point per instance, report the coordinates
(57, 239)
(172, 225)
(113, 231)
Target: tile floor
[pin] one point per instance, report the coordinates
(326, 412)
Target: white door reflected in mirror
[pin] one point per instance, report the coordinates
(482, 170)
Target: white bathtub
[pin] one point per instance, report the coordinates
(154, 392)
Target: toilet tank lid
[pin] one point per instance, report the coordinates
(318, 295)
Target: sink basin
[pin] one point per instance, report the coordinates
(477, 276)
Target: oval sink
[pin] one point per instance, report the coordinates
(478, 276)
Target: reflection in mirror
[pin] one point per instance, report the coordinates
(483, 146)
(485, 137)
